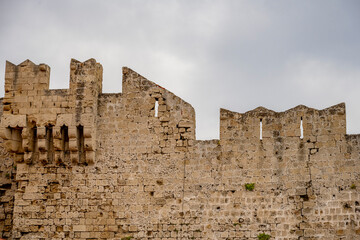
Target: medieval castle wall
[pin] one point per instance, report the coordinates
(81, 164)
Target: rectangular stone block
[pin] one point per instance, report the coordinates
(79, 228)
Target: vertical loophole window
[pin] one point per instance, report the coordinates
(260, 128)
(49, 143)
(301, 128)
(65, 142)
(156, 108)
(80, 143)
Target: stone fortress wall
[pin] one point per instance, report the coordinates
(81, 164)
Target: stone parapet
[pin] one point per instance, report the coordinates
(81, 164)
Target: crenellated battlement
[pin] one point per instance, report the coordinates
(25, 77)
(51, 126)
(60, 126)
(300, 122)
(80, 164)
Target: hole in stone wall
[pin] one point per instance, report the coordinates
(49, 143)
(33, 141)
(65, 142)
(159, 182)
(301, 128)
(260, 128)
(156, 107)
(6, 185)
(80, 143)
(2, 193)
(305, 197)
(346, 205)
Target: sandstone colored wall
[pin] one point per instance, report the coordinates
(8, 187)
(89, 165)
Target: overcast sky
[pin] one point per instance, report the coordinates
(236, 54)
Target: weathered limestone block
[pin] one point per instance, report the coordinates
(41, 132)
(13, 146)
(26, 144)
(58, 156)
(13, 121)
(57, 132)
(64, 119)
(5, 133)
(90, 157)
(42, 145)
(72, 132)
(58, 145)
(74, 156)
(185, 124)
(88, 131)
(28, 157)
(88, 144)
(45, 119)
(73, 144)
(43, 157)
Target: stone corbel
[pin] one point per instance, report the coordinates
(89, 144)
(73, 147)
(41, 134)
(5, 133)
(90, 157)
(25, 140)
(57, 138)
(10, 132)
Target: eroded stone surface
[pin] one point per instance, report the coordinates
(80, 164)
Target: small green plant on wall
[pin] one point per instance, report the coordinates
(250, 186)
(264, 236)
(127, 238)
(353, 186)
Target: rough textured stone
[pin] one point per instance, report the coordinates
(80, 164)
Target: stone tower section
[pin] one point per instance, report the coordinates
(51, 126)
(85, 88)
